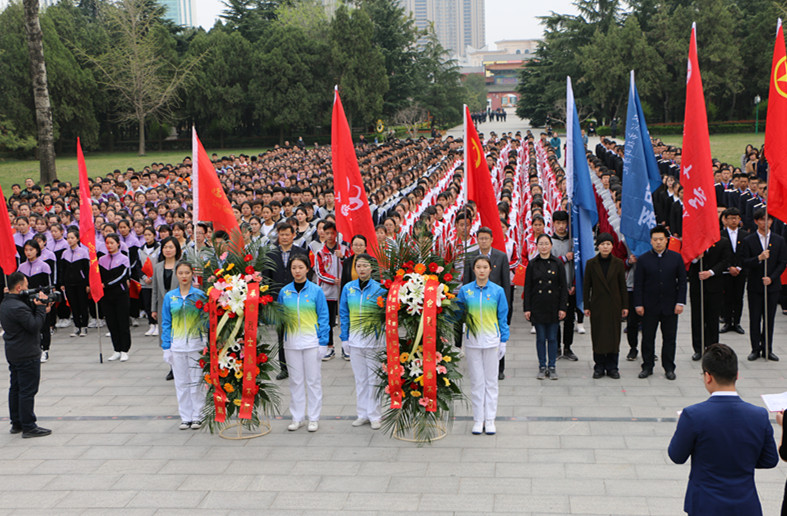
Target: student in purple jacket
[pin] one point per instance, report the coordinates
(114, 267)
(74, 270)
(38, 275)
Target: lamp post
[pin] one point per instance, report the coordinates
(757, 114)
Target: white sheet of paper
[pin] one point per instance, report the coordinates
(775, 402)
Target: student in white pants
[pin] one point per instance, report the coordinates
(304, 338)
(183, 336)
(358, 297)
(486, 308)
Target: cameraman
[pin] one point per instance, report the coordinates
(22, 324)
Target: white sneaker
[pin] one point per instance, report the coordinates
(123, 356)
(101, 323)
(150, 331)
(63, 323)
(107, 334)
(114, 356)
(196, 425)
(91, 323)
(294, 426)
(154, 333)
(376, 424)
(133, 322)
(533, 330)
(184, 425)
(76, 333)
(360, 421)
(580, 329)
(490, 427)
(478, 428)
(83, 332)
(44, 356)
(313, 426)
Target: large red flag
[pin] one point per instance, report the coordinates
(700, 221)
(7, 246)
(210, 201)
(87, 228)
(776, 130)
(353, 216)
(478, 184)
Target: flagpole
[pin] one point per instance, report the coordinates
(702, 309)
(98, 328)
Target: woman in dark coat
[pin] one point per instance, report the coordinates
(606, 298)
(546, 302)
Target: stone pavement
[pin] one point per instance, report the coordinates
(572, 446)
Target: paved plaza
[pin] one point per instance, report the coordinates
(572, 446)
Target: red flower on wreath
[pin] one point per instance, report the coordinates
(262, 358)
(199, 304)
(433, 267)
(249, 269)
(448, 277)
(387, 283)
(219, 311)
(248, 258)
(231, 315)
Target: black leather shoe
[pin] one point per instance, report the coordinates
(645, 373)
(170, 376)
(15, 430)
(282, 375)
(738, 329)
(696, 356)
(726, 328)
(569, 355)
(754, 355)
(670, 375)
(632, 356)
(615, 375)
(36, 432)
(501, 376)
(598, 374)
(772, 356)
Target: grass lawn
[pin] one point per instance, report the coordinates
(98, 164)
(727, 148)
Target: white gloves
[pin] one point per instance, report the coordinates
(168, 356)
(501, 350)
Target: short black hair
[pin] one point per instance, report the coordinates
(659, 229)
(759, 213)
(485, 230)
(14, 279)
(481, 258)
(560, 215)
(721, 362)
(731, 212)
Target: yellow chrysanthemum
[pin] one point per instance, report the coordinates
(263, 288)
(447, 381)
(236, 402)
(415, 394)
(446, 358)
(404, 357)
(238, 374)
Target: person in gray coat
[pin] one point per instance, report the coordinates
(164, 279)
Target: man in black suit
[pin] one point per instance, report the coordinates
(659, 298)
(501, 276)
(734, 278)
(280, 274)
(707, 272)
(765, 257)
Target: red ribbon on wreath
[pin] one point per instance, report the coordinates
(219, 397)
(431, 292)
(251, 313)
(393, 366)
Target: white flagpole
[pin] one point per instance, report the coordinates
(194, 177)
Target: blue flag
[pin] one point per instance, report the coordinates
(641, 177)
(584, 214)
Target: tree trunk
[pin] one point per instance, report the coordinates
(141, 136)
(44, 123)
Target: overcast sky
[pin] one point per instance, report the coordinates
(505, 19)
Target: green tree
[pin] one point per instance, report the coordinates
(250, 17)
(358, 66)
(439, 85)
(476, 91)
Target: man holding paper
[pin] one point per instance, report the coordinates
(726, 439)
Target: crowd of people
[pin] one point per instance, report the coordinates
(284, 200)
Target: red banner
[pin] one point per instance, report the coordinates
(776, 130)
(430, 343)
(353, 216)
(87, 228)
(211, 201)
(392, 344)
(7, 246)
(700, 218)
(251, 313)
(219, 397)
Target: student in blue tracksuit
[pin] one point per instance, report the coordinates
(486, 304)
(183, 336)
(359, 297)
(304, 336)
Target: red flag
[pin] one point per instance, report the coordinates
(353, 216)
(211, 201)
(478, 181)
(776, 130)
(147, 269)
(87, 229)
(700, 221)
(7, 246)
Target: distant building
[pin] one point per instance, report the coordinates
(500, 68)
(182, 12)
(458, 24)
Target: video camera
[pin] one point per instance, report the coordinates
(53, 295)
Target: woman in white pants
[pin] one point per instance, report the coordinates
(358, 297)
(486, 307)
(183, 336)
(304, 337)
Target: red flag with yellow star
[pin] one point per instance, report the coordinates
(776, 130)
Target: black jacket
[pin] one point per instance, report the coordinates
(279, 273)
(717, 259)
(756, 269)
(546, 292)
(660, 282)
(22, 325)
